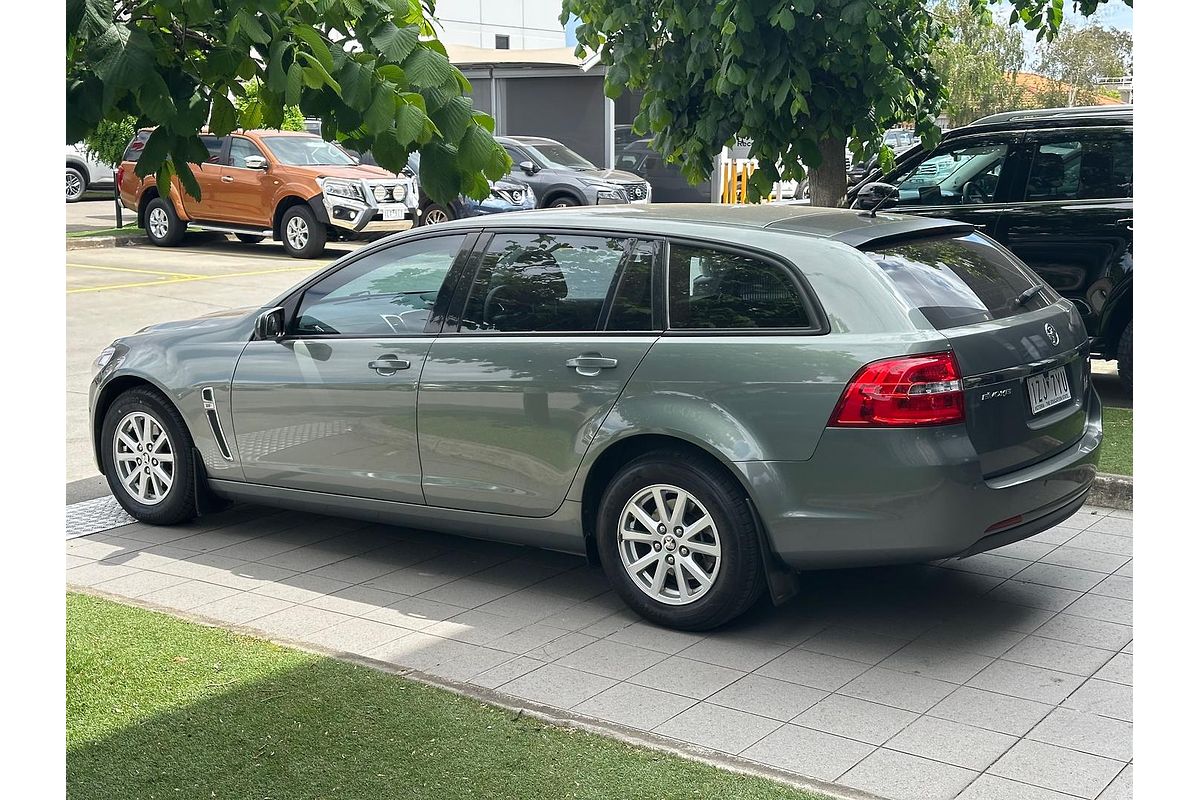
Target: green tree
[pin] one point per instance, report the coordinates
(371, 70)
(797, 77)
(978, 60)
(107, 142)
(293, 117)
(1078, 58)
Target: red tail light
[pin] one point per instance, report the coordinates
(902, 392)
(120, 172)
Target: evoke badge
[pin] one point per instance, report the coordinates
(996, 393)
(1051, 334)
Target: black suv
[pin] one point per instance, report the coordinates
(1055, 186)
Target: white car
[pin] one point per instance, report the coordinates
(83, 173)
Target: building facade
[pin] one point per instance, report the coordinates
(502, 24)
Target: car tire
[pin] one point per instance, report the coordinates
(249, 238)
(76, 185)
(303, 236)
(1125, 358)
(435, 214)
(163, 491)
(563, 201)
(163, 226)
(733, 567)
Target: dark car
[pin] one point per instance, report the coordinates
(1055, 186)
(561, 177)
(666, 180)
(505, 196)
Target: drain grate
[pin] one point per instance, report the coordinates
(93, 516)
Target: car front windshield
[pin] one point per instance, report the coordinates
(307, 151)
(560, 156)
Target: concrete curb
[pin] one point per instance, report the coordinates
(1112, 491)
(547, 714)
(91, 242)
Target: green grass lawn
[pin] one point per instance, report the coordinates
(162, 708)
(1116, 454)
(128, 230)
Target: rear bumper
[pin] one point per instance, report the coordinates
(871, 497)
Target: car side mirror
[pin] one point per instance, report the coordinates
(357, 161)
(255, 162)
(529, 167)
(876, 195)
(269, 324)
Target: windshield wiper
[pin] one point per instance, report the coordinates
(1027, 295)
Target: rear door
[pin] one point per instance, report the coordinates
(1073, 219)
(1022, 349)
(964, 179)
(552, 327)
(208, 176)
(332, 406)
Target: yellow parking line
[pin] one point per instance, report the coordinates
(186, 278)
(131, 269)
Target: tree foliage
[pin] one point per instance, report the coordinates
(293, 117)
(106, 144)
(371, 70)
(978, 61)
(1078, 58)
(1044, 16)
(798, 77)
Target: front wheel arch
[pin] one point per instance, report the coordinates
(110, 392)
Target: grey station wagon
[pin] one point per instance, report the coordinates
(704, 399)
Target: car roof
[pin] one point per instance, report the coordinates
(527, 140)
(712, 221)
(1051, 118)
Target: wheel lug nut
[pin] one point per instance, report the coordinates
(657, 546)
(662, 528)
(679, 531)
(683, 551)
(670, 559)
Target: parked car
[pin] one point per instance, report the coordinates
(1054, 186)
(84, 173)
(294, 187)
(561, 177)
(666, 180)
(505, 196)
(701, 398)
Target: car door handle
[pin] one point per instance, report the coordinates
(226, 179)
(591, 365)
(388, 365)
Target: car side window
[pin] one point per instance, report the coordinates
(1081, 165)
(957, 174)
(389, 292)
(214, 145)
(542, 282)
(239, 149)
(632, 305)
(710, 288)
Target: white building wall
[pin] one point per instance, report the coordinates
(529, 24)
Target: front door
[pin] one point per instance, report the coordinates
(332, 406)
(965, 179)
(245, 193)
(553, 327)
(1073, 219)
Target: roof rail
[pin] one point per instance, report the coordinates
(1050, 113)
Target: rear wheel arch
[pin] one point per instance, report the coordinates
(82, 169)
(143, 202)
(1120, 315)
(615, 455)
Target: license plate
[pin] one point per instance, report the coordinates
(393, 213)
(1048, 389)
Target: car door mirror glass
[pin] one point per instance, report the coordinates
(528, 167)
(269, 324)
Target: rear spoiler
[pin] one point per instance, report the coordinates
(880, 231)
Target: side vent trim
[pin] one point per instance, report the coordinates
(208, 397)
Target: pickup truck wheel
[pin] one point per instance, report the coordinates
(678, 542)
(1125, 358)
(563, 202)
(435, 214)
(76, 185)
(248, 238)
(163, 226)
(303, 236)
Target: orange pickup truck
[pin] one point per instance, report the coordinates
(293, 187)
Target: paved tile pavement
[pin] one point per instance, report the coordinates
(1006, 675)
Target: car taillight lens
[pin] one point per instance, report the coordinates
(120, 173)
(900, 392)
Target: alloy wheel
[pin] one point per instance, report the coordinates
(158, 223)
(144, 458)
(436, 216)
(297, 233)
(74, 185)
(669, 544)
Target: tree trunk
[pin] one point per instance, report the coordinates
(827, 182)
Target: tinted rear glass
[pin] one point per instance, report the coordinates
(960, 280)
(134, 151)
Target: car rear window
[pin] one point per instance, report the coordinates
(960, 280)
(134, 151)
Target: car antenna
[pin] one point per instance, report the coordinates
(872, 213)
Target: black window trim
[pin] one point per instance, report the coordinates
(291, 303)
(453, 322)
(816, 313)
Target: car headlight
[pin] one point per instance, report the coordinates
(338, 187)
(611, 194)
(102, 360)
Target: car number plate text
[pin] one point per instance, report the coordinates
(1048, 389)
(393, 213)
